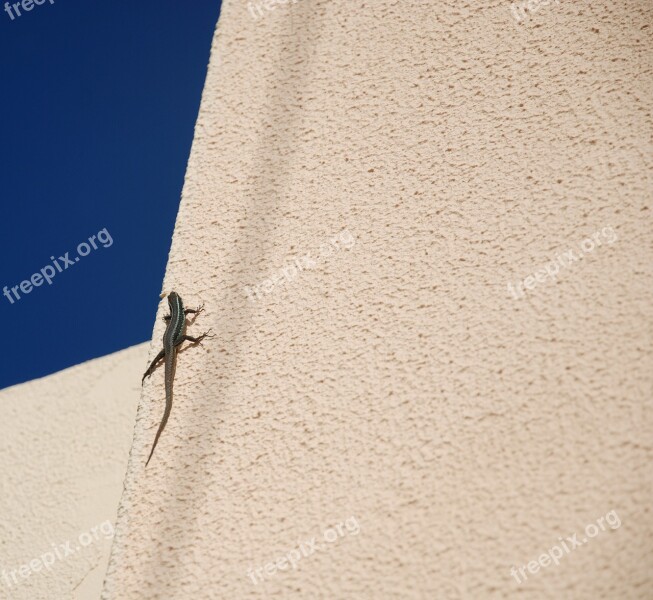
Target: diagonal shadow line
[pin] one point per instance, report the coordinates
(185, 505)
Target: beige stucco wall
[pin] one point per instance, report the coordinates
(64, 442)
(390, 382)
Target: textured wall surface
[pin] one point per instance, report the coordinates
(64, 442)
(422, 232)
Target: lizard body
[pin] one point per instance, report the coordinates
(173, 337)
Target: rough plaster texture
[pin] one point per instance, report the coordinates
(398, 381)
(64, 442)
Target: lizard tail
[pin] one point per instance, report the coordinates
(159, 432)
(156, 440)
(168, 409)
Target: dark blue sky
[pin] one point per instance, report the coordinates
(98, 101)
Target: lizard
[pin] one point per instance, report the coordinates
(174, 336)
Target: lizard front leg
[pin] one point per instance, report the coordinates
(194, 311)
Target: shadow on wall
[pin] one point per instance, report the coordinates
(268, 181)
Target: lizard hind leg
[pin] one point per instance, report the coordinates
(153, 365)
(194, 340)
